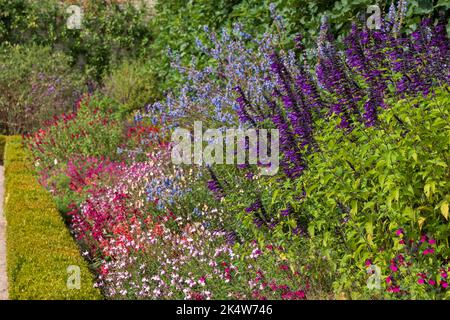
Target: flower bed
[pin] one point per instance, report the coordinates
(362, 185)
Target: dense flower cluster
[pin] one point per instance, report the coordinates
(434, 278)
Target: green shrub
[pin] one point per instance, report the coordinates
(36, 84)
(132, 85)
(39, 246)
(366, 185)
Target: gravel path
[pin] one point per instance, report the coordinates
(3, 277)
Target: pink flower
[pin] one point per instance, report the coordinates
(284, 267)
(431, 241)
(402, 241)
(431, 282)
(444, 275)
(368, 263)
(399, 232)
(300, 294)
(393, 267)
(444, 284)
(388, 280)
(395, 289)
(428, 251)
(421, 281)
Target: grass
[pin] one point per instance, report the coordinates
(39, 245)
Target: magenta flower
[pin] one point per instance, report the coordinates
(284, 267)
(393, 267)
(395, 289)
(444, 284)
(421, 281)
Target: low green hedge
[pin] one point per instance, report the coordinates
(39, 245)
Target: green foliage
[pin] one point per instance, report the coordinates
(378, 180)
(109, 31)
(132, 85)
(178, 24)
(36, 84)
(359, 189)
(39, 246)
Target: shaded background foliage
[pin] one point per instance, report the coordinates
(178, 23)
(110, 31)
(113, 31)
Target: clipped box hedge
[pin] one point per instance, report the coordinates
(39, 245)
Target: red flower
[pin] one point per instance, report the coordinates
(103, 270)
